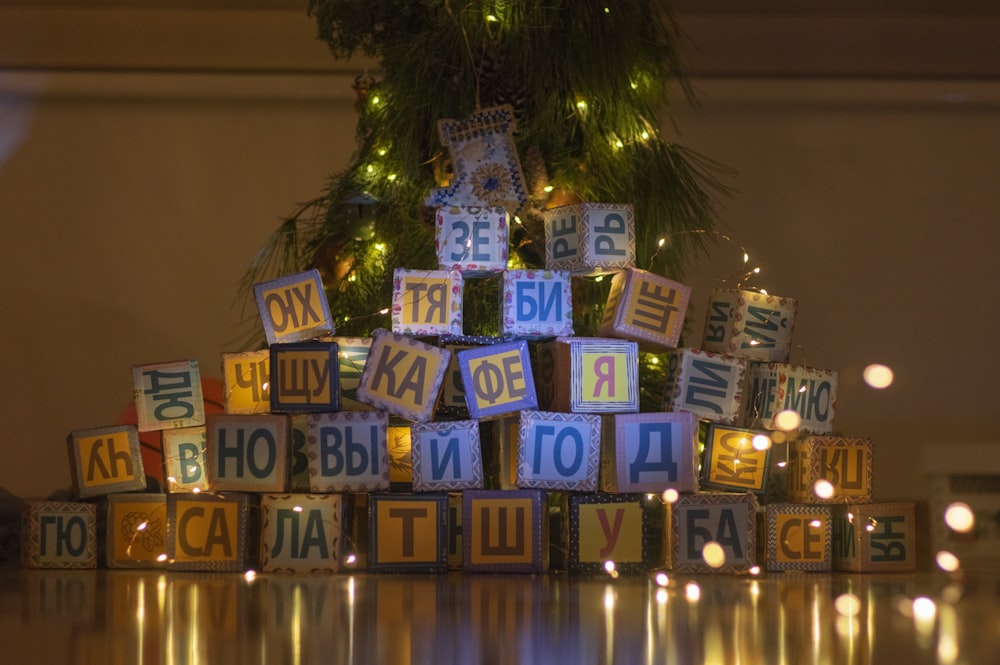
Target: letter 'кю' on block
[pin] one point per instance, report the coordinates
(168, 395)
(505, 531)
(184, 460)
(622, 528)
(247, 453)
(305, 377)
(301, 533)
(844, 463)
(728, 520)
(645, 307)
(650, 452)
(136, 531)
(403, 376)
(471, 239)
(797, 537)
(426, 302)
(731, 461)
(536, 303)
(590, 238)
(408, 532)
(559, 451)
(749, 324)
(592, 375)
(446, 456)
(709, 385)
(348, 451)
(246, 381)
(105, 460)
(217, 532)
(59, 534)
(293, 308)
(874, 538)
(497, 379)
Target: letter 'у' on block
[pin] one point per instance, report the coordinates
(471, 239)
(136, 531)
(217, 532)
(613, 527)
(732, 462)
(59, 534)
(426, 302)
(246, 381)
(298, 475)
(305, 377)
(247, 453)
(728, 519)
(810, 392)
(185, 463)
(168, 395)
(797, 537)
(353, 353)
(590, 238)
(651, 452)
(409, 532)
(558, 451)
(874, 537)
(505, 531)
(446, 456)
(709, 385)
(403, 376)
(844, 463)
(301, 533)
(104, 460)
(536, 303)
(645, 307)
(497, 379)
(762, 327)
(293, 308)
(348, 451)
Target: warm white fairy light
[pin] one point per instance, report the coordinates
(947, 561)
(671, 495)
(815, 524)
(754, 570)
(787, 420)
(350, 560)
(610, 569)
(195, 490)
(297, 509)
(761, 442)
(959, 517)
(692, 592)
(162, 557)
(250, 575)
(662, 579)
(824, 489)
(713, 554)
(924, 608)
(847, 604)
(661, 596)
(878, 376)
(142, 526)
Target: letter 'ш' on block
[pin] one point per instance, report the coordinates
(217, 532)
(403, 376)
(505, 531)
(408, 532)
(728, 520)
(59, 534)
(293, 308)
(301, 533)
(136, 531)
(168, 395)
(105, 460)
(645, 307)
(623, 528)
(797, 537)
(247, 453)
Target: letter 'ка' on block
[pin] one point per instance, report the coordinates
(403, 376)
(650, 452)
(645, 307)
(727, 519)
(293, 308)
(590, 238)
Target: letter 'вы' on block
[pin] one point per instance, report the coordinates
(594, 375)
(136, 531)
(645, 307)
(247, 453)
(408, 532)
(749, 324)
(590, 238)
(184, 459)
(536, 303)
(505, 531)
(874, 537)
(624, 528)
(426, 302)
(733, 462)
(471, 239)
(168, 395)
(217, 532)
(301, 533)
(105, 460)
(797, 537)
(403, 376)
(497, 379)
(293, 308)
(812, 393)
(558, 451)
(446, 456)
(727, 519)
(348, 451)
(59, 534)
(709, 385)
(649, 452)
(846, 463)
(305, 377)
(246, 381)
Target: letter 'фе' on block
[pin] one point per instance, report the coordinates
(591, 375)
(217, 532)
(626, 529)
(184, 459)
(446, 456)
(348, 451)
(709, 385)
(558, 451)
(649, 452)
(247, 453)
(59, 534)
(293, 308)
(168, 395)
(104, 460)
(736, 459)
(725, 523)
(536, 303)
(874, 537)
(301, 533)
(590, 238)
(471, 239)
(136, 531)
(505, 531)
(403, 376)
(305, 377)
(408, 532)
(749, 324)
(497, 379)
(797, 537)
(645, 307)
(831, 469)
(426, 302)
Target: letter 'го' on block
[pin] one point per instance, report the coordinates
(301, 533)
(59, 534)
(736, 459)
(408, 532)
(709, 385)
(645, 307)
(590, 238)
(104, 460)
(136, 531)
(797, 537)
(497, 379)
(184, 459)
(728, 520)
(593, 375)
(426, 302)
(305, 377)
(247, 453)
(843, 464)
(293, 308)
(505, 531)
(874, 538)
(217, 532)
(403, 376)
(446, 456)
(348, 451)
(559, 451)
(624, 528)
(168, 395)
(649, 452)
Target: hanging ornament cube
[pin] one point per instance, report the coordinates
(649, 452)
(403, 376)
(626, 529)
(59, 534)
(558, 451)
(797, 537)
(471, 240)
(749, 324)
(736, 459)
(590, 238)
(426, 302)
(446, 456)
(809, 392)
(294, 308)
(709, 385)
(348, 451)
(536, 303)
(831, 469)
(301, 533)
(168, 395)
(497, 379)
(645, 307)
(592, 374)
(722, 519)
(874, 538)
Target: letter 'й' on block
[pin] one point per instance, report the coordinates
(217, 532)
(471, 239)
(497, 379)
(736, 459)
(709, 385)
(105, 460)
(874, 538)
(505, 531)
(168, 395)
(614, 527)
(301, 533)
(293, 308)
(136, 531)
(348, 451)
(403, 376)
(247, 453)
(426, 302)
(305, 377)
(536, 303)
(645, 307)
(590, 238)
(446, 456)
(797, 537)
(408, 533)
(650, 452)
(724, 524)
(558, 451)
(59, 534)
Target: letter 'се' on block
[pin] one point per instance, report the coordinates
(797, 537)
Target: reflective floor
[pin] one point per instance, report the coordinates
(134, 618)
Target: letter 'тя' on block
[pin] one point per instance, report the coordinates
(427, 302)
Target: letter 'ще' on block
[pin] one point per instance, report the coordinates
(446, 456)
(184, 459)
(301, 533)
(624, 528)
(559, 451)
(650, 452)
(593, 374)
(293, 308)
(874, 538)
(305, 377)
(403, 376)
(505, 531)
(136, 531)
(797, 537)
(497, 379)
(217, 532)
(168, 395)
(104, 460)
(590, 238)
(536, 303)
(426, 302)
(247, 453)
(846, 463)
(246, 381)
(734, 460)
(708, 385)
(645, 307)
(59, 534)
(727, 519)
(348, 451)
(810, 392)
(471, 239)
(408, 532)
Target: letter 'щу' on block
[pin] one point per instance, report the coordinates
(217, 532)
(184, 459)
(497, 379)
(797, 537)
(505, 531)
(301, 533)
(726, 519)
(590, 238)
(645, 307)
(348, 451)
(427, 302)
(559, 451)
(59, 534)
(136, 531)
(708, 385)
(168, 395)
(749, 324)
(536, 303)
(247, 453)
(874, 538)
(305, 377)
(403, 376)
(593, 374)
(408, 532)
(246, 381)
(105, 460)
(846, 463)
(446, 456)
(733, 462)
(650, 452)
(810, 392)
(624, 528)
(293, 308)
(471, 239)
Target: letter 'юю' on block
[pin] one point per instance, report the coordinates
(105, 460)
(810, 392)
(246, 381)
(497, 379)
(590, 238)
(874, 538)
(536, 303)
(558, 451)
(505, 531)
(446, 456)
(217, 532)
(645, 307)
(749, 324)
(136, 531)
(797, 537)
(426, 302)
(293, 308)
(168, 395)
(408, 532)
(305, 377)
(623, 528)
(709, 385)
(725, 520)
(831, 469)
(403, 376)
(736, 459)
(247, 453)
(301, 533)
(184, 460)
(471, 239)
(592, 375)
(348, 451)
(650, 452)
(59, 534)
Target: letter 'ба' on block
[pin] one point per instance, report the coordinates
(713, 532)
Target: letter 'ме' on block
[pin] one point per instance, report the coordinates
(301, 533)
(168, 395)
(874, 537)
(247, 453)
(728, 519)
(645, 307)
(649, 452)
(558, 451)
(505, 531)
(59, 534)
(624, 528)
(136, 531)
(497, 379)
(293, 308)
(846, 463)
(403, 376)
(446, 456)
(408, 532)
(797, 537)
(105, 460)
(217, 532)
(590, 238)
(709, 385)
(348, 451)
(733, 462)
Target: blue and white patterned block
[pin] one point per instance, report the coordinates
(472, 240)
(590, 238)
(536, 303)
(558, 451)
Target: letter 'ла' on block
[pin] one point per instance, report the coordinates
(709, 385)
(247, 453)
(301, 533)
(403, 376)
(505, 531)
(168, 395)
(844, 463)
(536, 303)
(726, 519)
(797, 537)
(105, 460)
(293, 308)
(446, 456)
(471, 239)
(184, 460)
(590, 238)
(623, 528)
(216, 532)
(650, 452)
(497, 379)
(305, 377)
(874, 538)
(408, 532)
(558, 451)
(426, 302)
(348, 451)
(59, 534)
(246, 381)
(136, 531)
(645, 307)
(732, 462)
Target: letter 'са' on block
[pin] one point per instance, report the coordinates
(749, 324)
(168, 395)
(246, 381)
(446, 456)
(874, 538)
(797, 537)
(301, 533)
(559, 451)
(645, 307)
(408, 533)
(708, 385)
(426, 302)
(217, 532)
(104, 460)
(590, 238)
(650, 452)
(505, 531)
(136, 531)
(497, 379)
(536, 303)
(247, 453)
(348, 451)
(623, 528)
(59, 534)
(736, 459)
(831, 469)
(725, 522)
(305, 377)
(471, 239)
(293, 308)
(403, 376)
(184, 459)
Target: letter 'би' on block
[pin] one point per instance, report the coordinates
(874, 538)
(736, 459)
(403, 376)
(713, 531)
(136, 531)
(246, 381)
(708, 385)
(446, 456)
(184, 459)
(293, 308)
(247, 453)
(217, 532)
(104, 460)
(471, 239)
(810, 392)
(408, 532)
(594, 375)
(301, 533)
(625, 529)
(536, 303)
(348, 451)
(505, 531)
(168, 395)
(59, 534)
(650, 452)
(559, 451)
(797, 537)
(831, 469)
(645, 307)
(497, 379)
(305, 377)
(426, 302)
(590, 238)
(749, 324)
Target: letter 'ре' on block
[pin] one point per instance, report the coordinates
(846, 463)
(728, 519)
(408, 532)
(136, 531)
(649, 452)
(403, 376)
(105, 460)
(645, 307)
(217, 532)
(505, 531)
(624, 528)
(874, 537)
(348, 451)
(797, 537)
(293, 308)
(446, 456)
(59, 534)
(558, 451)
(247, 453)
(301, 533)
(497, 379)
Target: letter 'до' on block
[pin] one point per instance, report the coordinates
(471, 239)
(446, 456)
(293, 308)
(305, 377)
(246, 381)
(709, 385)
(247, 453)
(728, 520)
(301, 533)
(505, 531)
(136, 531)
(797, 537)
(185, 460)
(594, 375)
(168, 395)
(497, 379)
(216, 532)
(536, 303)
(831, 469)
(59, 534)
(749, 324)
(645, 307)
(558, 451)
(348, 451)
(650, 452)
(624, 528)
(426, 302)
(810, 392)
(408, 532)
(874, 538)
(736, 459)
(105, 460)
(590, 238)
(403, 376)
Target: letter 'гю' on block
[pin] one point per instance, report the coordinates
(736, 459)
(348, 451)
(247, 453)
(650, 452)
(104, 460)
(305, 377)
(749, 324)
(645, 307)
(217, 532)
(403, 376)
(831, 469)
(594, 375)
(168, 395)
(246, 382)
(301, 533)
(184, 459)
(136, 531)
(728, 520)
(590, 238)
(874, 538)
(497, 379)
(426, 302)
(446, 456)
(59, 534)
(408, 532)
(810, 392)
(536, 303)
(709, 385)
(797, 537)
(293, 308)
(353, 353)
(558, 451)
(505, 531)
(471, 239)
(625, 529)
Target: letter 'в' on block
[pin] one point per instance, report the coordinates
(136, 531)
(168, 395)
(558, 451)
(426, 302)
(590, 238)
(301, 533)
(471, 239)
(736, 459)
(874, 537)
(591, 375)
(728, 520)
(831, 469)
(305, 377)
(505, 531)
(59, 534)
(403, 376)
(626, 529)
(247, 453)
(497, 379)
(446, 456)
(797, 537)
(105, 460)
(709, 385)
(536, 303)
(812, 393)
(645, 307)
(749, 324)
(184, 459)
(217, 532)
(293, 308)
(246, 381)
(408, 532)
(649, 452)
(348, 451)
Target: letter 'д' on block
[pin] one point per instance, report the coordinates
(216, 532)
(497, 379)
(426, 302)
(59, 534)
(293, 308)
(749, 324)
(590, 238)
(305, 377)
(185, 464)
(797, 537)
(709, 385)
(558, 451)
(623, 528)
(301, 533)
(247, 453)
(594, 375)
(536, 303)
(105, 460)
(831, 469)
(505, 531)
(874, 538)
(136, 531)
(728, 520)
(812, 393)
(735, 459)
(246, 381)
(348, 451)
(408, 532)
(650, 452)
(446, 456)
(645, 307)
(403, 376)
(471, 239)
(168, 395)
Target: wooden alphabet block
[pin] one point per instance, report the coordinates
(709, 385)
(798, 537)
(299, 479)
(762, 391)
(845, 463)
(247, 453)
(446, 456)
(509, 437)
(455, 531)
(624, 528)
(409, 532)
(168, 395)
(399, 446)
(452, 402)
(749, 324)
(536, 303)
(497, 379)
(558, 451)
(403, 376)
(184, 459)
(136, 531)
(246, 382)
(348, 451)
(471, 239)
(301, 533)
(505, 531)
(874, 537)
(727, 519)
(594, 375)
(732, 462)
(59, 534)
(812, 393)
(104, 460)
(305, 377)
(426, 302)
(217, 532)
(294, 308)
(650, 452)
(353, 353)
(590, 238)
(645, 307)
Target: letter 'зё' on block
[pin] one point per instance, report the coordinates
(797, 537)
(749, 324)
(348, 451)
(168, 395)
(590, 238)
(728, 519)
(246, 382)
(650, 452)
(558, 451)
(446, 456)
(844, 463)
(645, 307)
(874, 538)
(353, 353)
(293, 308)
(305, 377)
(471, 239)
(301, 533)
(105, 460)
(426, 302)
(59, 534)
(812, 393)
(403, 376)
(536, 303)
(184, 459)
(136, 531)
(247, 453)
(505, 531)
(594, 375)
(734, 460)
(624, 528)
(706, 384)
(497, 379)
(217, 532)
(408, 532)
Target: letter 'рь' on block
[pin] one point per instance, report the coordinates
(247, 453)
(403, 376)
(59, 534)
(217, 532)
(105, 460)
(301, 533)
(797, 537)
(623, 528)
(293, 308)
(645, 307)
(168, 395)
(408, 532)
(727, 519)
(136, 531)
(505, 531)
(874, 537)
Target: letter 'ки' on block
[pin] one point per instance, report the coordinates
(403, 376)
(624, 528)
(505, 531)
(797, 537)
(649, 452)
(874, 537)
(217, 532)
(105, 460)
(59, 534)
(645, 307)
(408, 532)
(301, 533)
(136, 531)
(726, 519)
(293, 308)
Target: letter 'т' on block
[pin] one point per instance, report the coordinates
(246, 381)
(797, 537)
(844, 464)
(105, 460)
(348, 451)
(216, 532)
(247, 453)
(408, 532)
(536, 303)
(293, 308)
(59, 534)
(726, 519)
(426, 302)
(136, 531)
(650, 452)
(168, 395)
(708, 385)
(497, 379)
(645, 307)
(505, 531)
(301, 533)
(558, 451)
(735, 459)
(446, 456)
(471, 239)
(810, 392)
(403, 376)
(623, 528)
(590, 238)
(353, 353)
(184, 459)
(874, 538)
(305, 377)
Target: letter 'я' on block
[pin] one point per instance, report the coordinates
(645, 307)
(301, 533)
(59, 534)
(590, 375)
(874, 537)
(403, 376)
(505, 531)
(713, 532)
(797, 537)
(216, 532)
(168, 395)
(294, 308)
(408, 532)
(105, 460)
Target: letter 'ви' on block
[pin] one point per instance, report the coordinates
(797, 537)
(446, 456)
(59, 534)
(471, 239)
(403, 376)
(301, 533)
(426, 302)
(590, 238)
(874, 537)
(217, 532)
(246, 381)
(105, 460)
(558, 451)
(624, 528)
(184, 459)
(136, 531)
(497, 379)
(505, 531)
(348, 451)
(733, 461)
(408, 532)
(593, 374)
(293, 308)
(810, 392)
(536, 303)
(650, 452)
(706, 384)
(749, 324)
(305, 377)
(247, 453)
(726, 519)
(844, 463)
(645, 307)
(168, 395)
